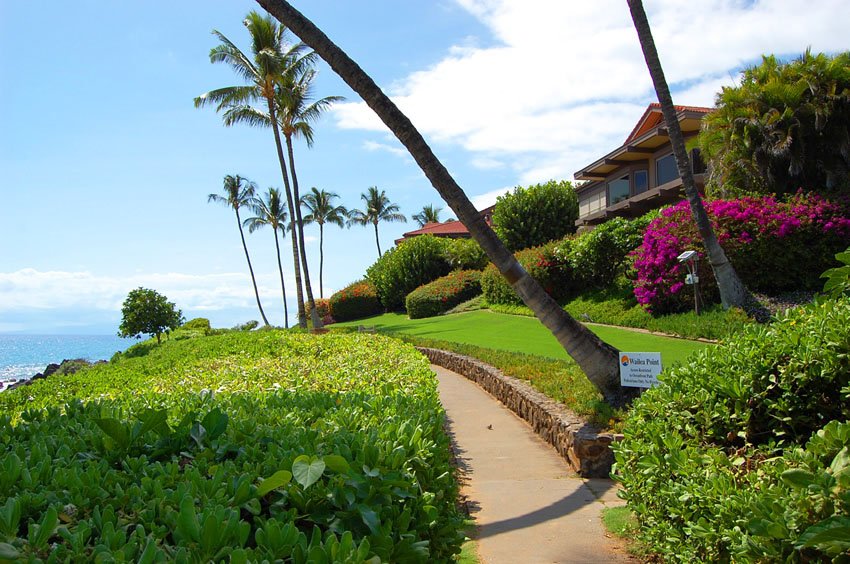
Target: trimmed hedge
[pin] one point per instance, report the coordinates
(443, 293)
(529, 217)
(355, 301)
(542, 263)
(401, 270)
(324, 309)
(465, 254)
(711, 462)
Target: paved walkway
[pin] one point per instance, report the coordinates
(528, 505)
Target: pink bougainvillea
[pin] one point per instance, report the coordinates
(775, 246)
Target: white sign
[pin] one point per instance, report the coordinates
(639, 369)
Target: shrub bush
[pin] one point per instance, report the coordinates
(443, 293)
(401, 270)
(355, 301)
(775, 246)
(710, 461)
(599, 257)
(530, 217)
(322, 306)
(247, 326)
(465, 254)
(201, 323)
(542, 263)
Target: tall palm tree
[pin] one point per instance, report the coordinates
(733, 293)
(322, 210)
(296, 114)
(597, 359)
(238, 192)
(270, 58)
(270, 211)
(378, 208)
(429, 214)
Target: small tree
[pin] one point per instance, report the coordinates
(148, 312)
(530, 217)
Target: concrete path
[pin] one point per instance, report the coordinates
(528, 504)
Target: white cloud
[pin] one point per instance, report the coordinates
(566, 81)
(397, 150)
(30, 289)
(487, 199)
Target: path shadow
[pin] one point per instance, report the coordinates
(464, 470)
(578, 499)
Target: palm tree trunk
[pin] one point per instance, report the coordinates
(321, 260)
(377, 241)
(250, 268)
(733, 293)
(302, 314)
(314, 314)
(596, 358)
(282, 286)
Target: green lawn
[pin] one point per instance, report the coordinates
(522, 334)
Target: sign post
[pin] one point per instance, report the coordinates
(639, 369)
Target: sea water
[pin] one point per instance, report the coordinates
(22, 356)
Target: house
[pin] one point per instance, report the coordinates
(641, 174)
(452, 229)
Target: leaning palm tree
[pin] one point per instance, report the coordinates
(597, 359)
(733, 293)
(322, 210)
(378, 208)
(238, 193)
(429, 214)
(270, 58)
(270, 211)
(297, 112)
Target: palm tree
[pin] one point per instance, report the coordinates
(378, 208)
(320, 205)
(732, 290)
(597, 359)
(296, 113)
(271, 58)
(429, 214)
(270, 211)
(238, 193)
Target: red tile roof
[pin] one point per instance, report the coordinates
(446, 228)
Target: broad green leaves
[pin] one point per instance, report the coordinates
(307, 470)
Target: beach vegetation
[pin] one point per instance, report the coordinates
(377, 207)
(428, 214)
(321, 210)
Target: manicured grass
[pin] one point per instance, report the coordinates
(522, 334)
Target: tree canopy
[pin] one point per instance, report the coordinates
(148, 312)
(528, 217)
(785, 127)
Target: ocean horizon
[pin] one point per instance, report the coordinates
(23, 356)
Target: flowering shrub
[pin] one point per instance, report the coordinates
(542, 263)
(774, 245)
(443, 293)
(324, 309)
(465, 254)
(355, 301)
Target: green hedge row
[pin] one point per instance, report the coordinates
(742, 454)
(355, 301)
(443, 294)
(266, 446)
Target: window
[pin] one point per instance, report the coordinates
(618, 190)
(592, 201)
(665, 170)
(641, 181)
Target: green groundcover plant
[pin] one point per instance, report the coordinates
(443, 293)
(743, 454)
(239, 447)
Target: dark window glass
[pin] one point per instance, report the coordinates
(697, 163)
(665, 170)
(618, 190)
(641, 181)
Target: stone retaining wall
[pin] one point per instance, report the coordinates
(586, 449)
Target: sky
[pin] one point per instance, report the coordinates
(106, 164)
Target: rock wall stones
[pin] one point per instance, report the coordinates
(586, 449)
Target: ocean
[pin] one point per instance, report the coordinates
(22, 356)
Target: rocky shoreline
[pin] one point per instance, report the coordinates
(67, 366)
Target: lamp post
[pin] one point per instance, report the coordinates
(689, 259)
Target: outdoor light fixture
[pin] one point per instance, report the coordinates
(689, 259)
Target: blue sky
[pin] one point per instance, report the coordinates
(106, 163)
